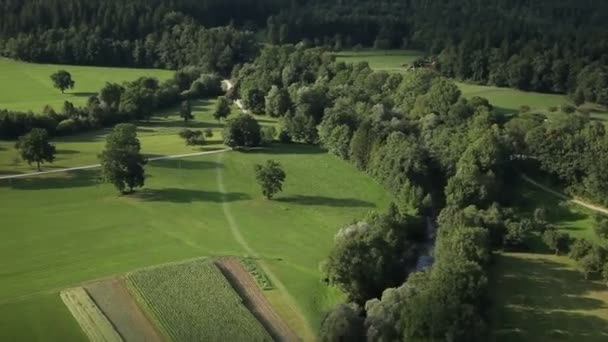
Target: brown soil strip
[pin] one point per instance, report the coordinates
(115, 300)
(254, 299)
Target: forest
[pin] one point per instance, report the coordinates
(507, 43)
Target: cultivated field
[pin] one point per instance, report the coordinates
(193, 301)
(118, 305)
(92, 321)
(28, 86)
(249, 290)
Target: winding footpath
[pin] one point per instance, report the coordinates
(564, 197)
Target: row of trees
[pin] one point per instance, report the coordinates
(431, 148)
(114, 103)
(179, 43)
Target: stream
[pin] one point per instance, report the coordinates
(425, 260)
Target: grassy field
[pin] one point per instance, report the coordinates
(385, 60)
(159, 136)
(537, 296)
(27, 86)
(193, 301)
(57, 231)
(506, 100)
(541, 297)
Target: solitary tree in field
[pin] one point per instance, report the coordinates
(270, 177)
(185, 111)
(242, 131)
(62, 80)
(35, 147)
(222, 108)
(122, 164)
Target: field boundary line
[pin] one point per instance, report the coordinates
(236, 232)
(88, 167)
(574, 200)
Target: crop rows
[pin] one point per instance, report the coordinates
(194, 302)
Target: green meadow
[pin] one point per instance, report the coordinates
(62, 229)
(506, 100)
(28, 86)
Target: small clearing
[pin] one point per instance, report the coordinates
(92, 321)
(253, 298)
(114, 299)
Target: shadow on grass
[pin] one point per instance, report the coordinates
(175, 195)
(533, 198)
(295, 149)
(186, 164)
(84, 94)
(68, 152)
(66, 180)
(326, 201)
(539, 299)
(177, 123)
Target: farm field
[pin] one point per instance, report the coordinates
(116, 302)
(506, 100)
(193, 301)
(189, 208)
(27, 86)
(90, 318)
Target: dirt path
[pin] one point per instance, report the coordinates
(255, 301)
(238, 236)
(88, 167)
(565, 197)
(115, 301)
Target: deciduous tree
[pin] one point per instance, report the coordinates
(35, 147)
(270, 177)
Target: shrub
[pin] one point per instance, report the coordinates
(193, 138)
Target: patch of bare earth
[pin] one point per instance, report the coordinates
(114, 299)
(253, 298)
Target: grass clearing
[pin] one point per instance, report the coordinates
(193, 301)
(539, 297)
(28, 86)
(382, 60)
(92, 321)
(57, 233)
(506, 100)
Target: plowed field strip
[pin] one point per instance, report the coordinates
(90, 318)
(115, 301)
(254, 299)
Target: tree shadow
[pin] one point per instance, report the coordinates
(533, 198)
(175, 195)
(84, 94)
(156, 123)
(538, 296)
(68, 152)
(187, 164)
(279, 149)
(326, 201)
(66, 180)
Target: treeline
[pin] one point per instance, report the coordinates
(127, 19)
(432, 149)
(548, 46)
(114, 103)
(570, 149)
(177, 43)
